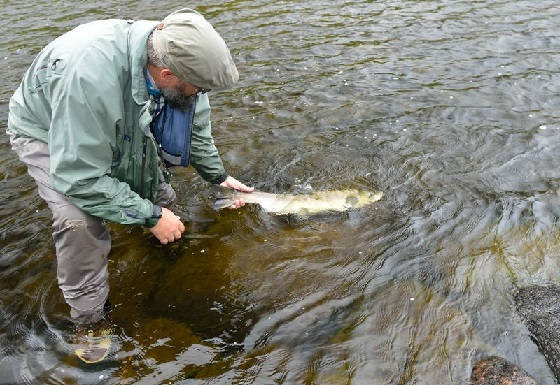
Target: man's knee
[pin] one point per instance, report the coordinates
(73, 223)
(82, 241)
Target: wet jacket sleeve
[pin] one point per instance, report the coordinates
(85, 111)
(204, 155)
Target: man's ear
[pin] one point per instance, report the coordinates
(166, 74)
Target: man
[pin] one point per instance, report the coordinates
(97, 117)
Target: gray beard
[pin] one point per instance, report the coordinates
(176, 98)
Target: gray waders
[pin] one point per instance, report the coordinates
(81, 240)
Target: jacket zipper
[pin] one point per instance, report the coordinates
(144, 143)
(192, 126)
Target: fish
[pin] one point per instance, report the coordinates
(300, 204)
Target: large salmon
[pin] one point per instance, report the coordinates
(302, 204)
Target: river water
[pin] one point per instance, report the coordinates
(451, 108)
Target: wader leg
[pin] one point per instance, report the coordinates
(82, 241)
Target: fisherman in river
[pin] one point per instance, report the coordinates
(99, 116)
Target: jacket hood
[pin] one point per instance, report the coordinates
(137, 51)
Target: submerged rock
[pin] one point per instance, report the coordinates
(497, 371)
(539, 307)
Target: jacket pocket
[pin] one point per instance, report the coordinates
(117, 148)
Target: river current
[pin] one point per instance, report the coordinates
(450, 108)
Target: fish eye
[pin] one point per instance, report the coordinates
(352, 200)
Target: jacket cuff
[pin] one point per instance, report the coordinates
(156, 215)
(220, 179)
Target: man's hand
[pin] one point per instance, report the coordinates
(169, 227)
(233, 183)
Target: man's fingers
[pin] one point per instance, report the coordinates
(169, 228)
(242, 187)
(231, 182)
(237, 204)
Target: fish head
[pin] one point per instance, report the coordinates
(223, 196)
(358, 199)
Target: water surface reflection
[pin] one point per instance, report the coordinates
(449, 108)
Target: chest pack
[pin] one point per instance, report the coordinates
(172, 129)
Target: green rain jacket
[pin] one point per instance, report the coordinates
(85, 95)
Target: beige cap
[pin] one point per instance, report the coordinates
(192, 49)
